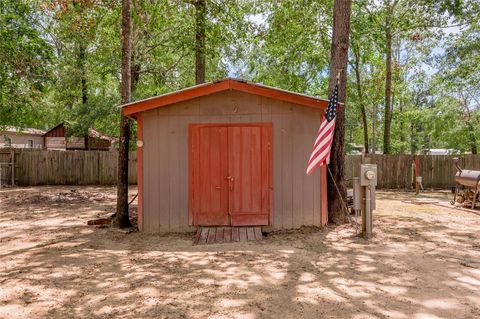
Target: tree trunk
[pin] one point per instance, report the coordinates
(83, 76)
(412, 139)
(338, 61)
(135, 69)
(473, 139)
(402, 126)
(471, 129)
(360, 99)
(401, 80)
(122, 219)
(388, 88)
(200, 21)
(374, 128)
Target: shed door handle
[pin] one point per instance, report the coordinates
(230, 179)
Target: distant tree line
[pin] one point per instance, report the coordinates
(413, 76)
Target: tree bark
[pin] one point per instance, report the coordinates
(338, 61)
(122, 219)
(413, 149)
(83, 76)
(401, 80)
(374, 129)
(388, 87)
(468, 122)
(135, 70)
(473, 139)
(360, 99)
(200, 21)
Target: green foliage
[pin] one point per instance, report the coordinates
(60, 61)
(25, 59)
(290, 48)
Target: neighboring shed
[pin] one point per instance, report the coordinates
(228, 153)
(56, 139)
(15, 137)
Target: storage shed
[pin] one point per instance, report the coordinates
(56, 139)
(231, 153)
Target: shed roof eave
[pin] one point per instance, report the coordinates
(132, 108)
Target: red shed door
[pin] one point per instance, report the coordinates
(249, 168)
(231, 172)
(210, 152)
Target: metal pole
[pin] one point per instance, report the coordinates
(368, 213)
(357, 199)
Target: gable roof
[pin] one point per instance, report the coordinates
(96, 134)
(53, 128)
(132, 108)
(91, 133)
(26, 131)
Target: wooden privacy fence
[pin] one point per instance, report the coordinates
(395, 171)
(7, 162)
(41, 167)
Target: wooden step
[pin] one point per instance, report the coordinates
(225, 234)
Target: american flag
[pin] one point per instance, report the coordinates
(321, 149)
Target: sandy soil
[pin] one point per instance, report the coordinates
(424, 262)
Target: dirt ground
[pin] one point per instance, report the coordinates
(424, 262)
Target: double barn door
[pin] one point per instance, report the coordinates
(230, 173)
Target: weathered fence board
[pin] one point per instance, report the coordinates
(5, 165)
(41, 167)
(395, 171)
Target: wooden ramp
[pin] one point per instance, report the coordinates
(218, 235)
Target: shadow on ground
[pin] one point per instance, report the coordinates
(424, 262)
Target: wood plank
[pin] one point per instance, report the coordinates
(299, 161)
(174, 161)
(203, 236)
(250, 194)
(235, 234)
(311, 183)
(183, 187)
(51, 167)
(219, 238)
(244, 103)
(227, 234)
(318, 197)
(258, 233)
(151, 207)
(210, 188)
(287, 171)
(212, 232)
(198, 234)
(277, 171)
(243, 233)
(160, 165)
(250, 233)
